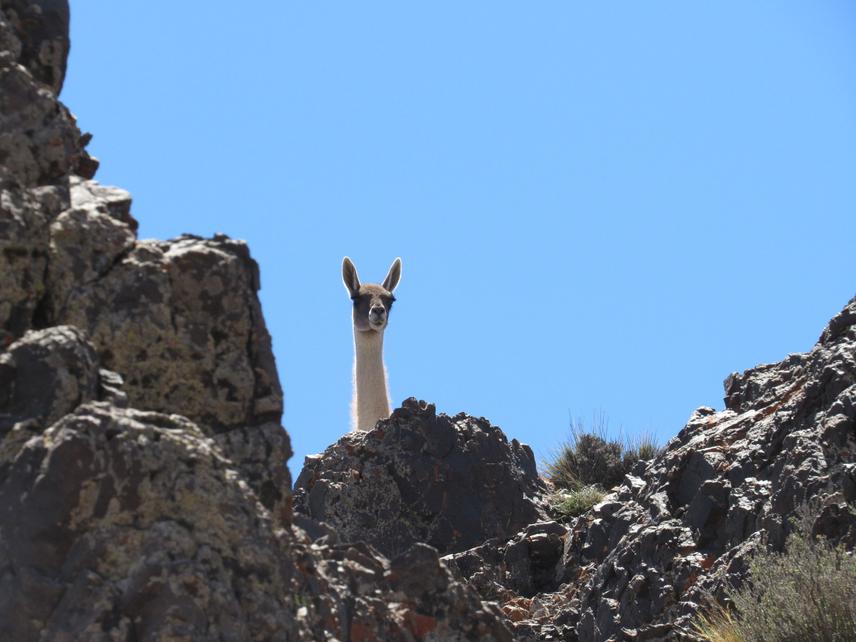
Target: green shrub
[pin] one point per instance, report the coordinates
(806, 594)
(572, 503)
(643, 447)
(591, 458)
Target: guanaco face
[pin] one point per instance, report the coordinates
(372, 302)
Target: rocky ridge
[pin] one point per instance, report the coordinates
(451, 482)
(640, 564)
(143, 491)
(143, 487)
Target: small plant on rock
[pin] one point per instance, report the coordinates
(591, 463)
(576, 502)
(591, 457)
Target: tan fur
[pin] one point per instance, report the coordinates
(372, 304)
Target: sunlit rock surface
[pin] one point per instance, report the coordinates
(144, 493)
(451, 482)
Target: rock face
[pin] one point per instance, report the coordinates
(640, 563)
(784, 439)
(451, 482)
(117, 523)
(41, 29)
(143, 487)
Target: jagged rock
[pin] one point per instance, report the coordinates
(260, 453)
(41, 28)
(39, 140)
(39, 145)
(91, 195)
(87, 239)
(527, 564)
(117, 523)
(24, 219)
(682, 528)
(185, 329)
(728, 481)
(122, 523)
(48, 373)
(451, 482)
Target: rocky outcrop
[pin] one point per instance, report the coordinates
(528, 564)
(185, 328)
(117, 523)
(451, 482)
(143, 487)
(641, 563)
(41, 34)
(178, 320)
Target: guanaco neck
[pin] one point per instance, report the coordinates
(371, 399)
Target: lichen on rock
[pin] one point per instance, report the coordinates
(143, 488)
(451, 482)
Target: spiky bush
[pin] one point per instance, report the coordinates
(643, 447)
(591, 458)
(806, 594)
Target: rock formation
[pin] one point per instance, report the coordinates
(640, 564)
(143, 487)
(451, 482)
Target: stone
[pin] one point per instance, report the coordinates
(144, 493)
(451, 482)
(41, 27)
(40, 143)
(684, 527)
(46, 375)
(730, 477)
(185, 330)
(528, 564)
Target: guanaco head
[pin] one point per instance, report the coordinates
(372, 302)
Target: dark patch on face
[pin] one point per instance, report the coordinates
(370, 296)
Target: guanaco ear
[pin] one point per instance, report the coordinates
(393, 276)
(349, 276)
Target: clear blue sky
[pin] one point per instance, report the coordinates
(599, 206)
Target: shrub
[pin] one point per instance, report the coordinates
(643, 447)
(576, 502)
(807, 593)
(591, 458)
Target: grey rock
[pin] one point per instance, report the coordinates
(117, 523)
(451, 482)
(127, 523)
(526, 565)
(39, 141)
(185, 328)
(143, 487)
(46, 375)
(25, 216)
(729, 481)
(41, 28)
(680, 530)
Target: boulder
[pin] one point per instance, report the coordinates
(143, 488)
(451, 482)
